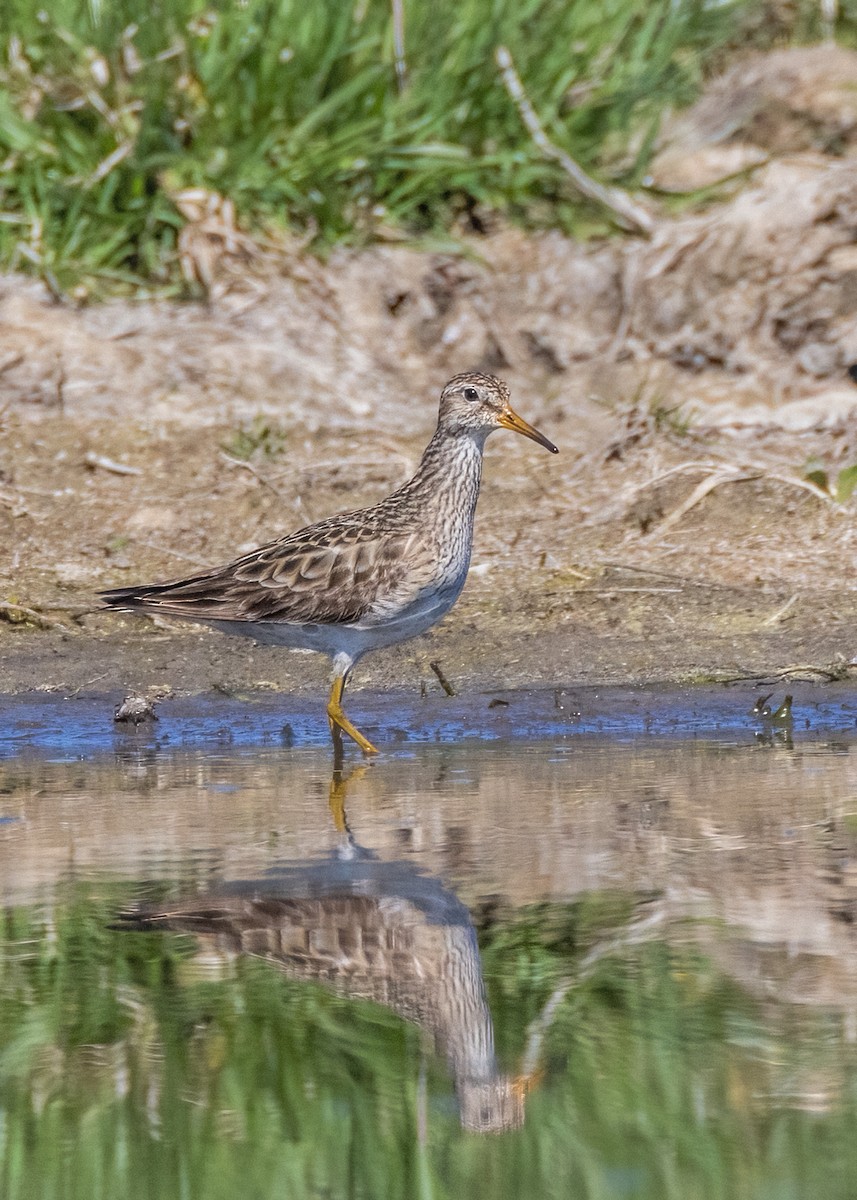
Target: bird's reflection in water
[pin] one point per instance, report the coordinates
(373, 930)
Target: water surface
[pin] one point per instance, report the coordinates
(615, 960)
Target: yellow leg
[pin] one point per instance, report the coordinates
(336, 800)
(339, 785)
(340, 724)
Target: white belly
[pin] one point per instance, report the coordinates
(353, 640)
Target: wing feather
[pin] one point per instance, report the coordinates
(337, 574)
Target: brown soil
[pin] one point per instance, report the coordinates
(687, 380)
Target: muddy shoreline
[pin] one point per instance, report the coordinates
(744, 711)
(485, 645)
(61, 727)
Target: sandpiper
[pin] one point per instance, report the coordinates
(365, 579)
(370, 928)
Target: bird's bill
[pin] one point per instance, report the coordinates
(510, 420)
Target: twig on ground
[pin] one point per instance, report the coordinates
(628, 214)
(805, 485)
(361, 456)
(109, 464)
(248, 466)
(442, 679)
(781, 612)
(810, 671)
(617, 591)
(718, 474)
(685, 580)
(160, 548)
(88, 683)
(699, 492)
(683, 468)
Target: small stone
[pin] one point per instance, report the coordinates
(135, 710)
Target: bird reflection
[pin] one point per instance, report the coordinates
(374, 930)
(777, 725)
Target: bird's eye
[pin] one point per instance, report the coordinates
(471, 394)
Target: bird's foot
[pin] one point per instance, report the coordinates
(340, 724)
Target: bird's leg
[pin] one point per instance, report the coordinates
(339, 723)
(336, 738)
(339, 784)
(338, 748)
(336, 798)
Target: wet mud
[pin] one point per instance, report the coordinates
(744, 713)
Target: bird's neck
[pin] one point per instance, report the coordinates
(451, 469)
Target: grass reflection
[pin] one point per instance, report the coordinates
(128, 1068)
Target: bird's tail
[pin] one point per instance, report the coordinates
(182, 597)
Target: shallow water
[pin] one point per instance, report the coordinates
(615, 960)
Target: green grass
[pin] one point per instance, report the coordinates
(259, 438)
(840, 487)
(292, 111)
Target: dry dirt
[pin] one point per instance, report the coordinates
(688, 381)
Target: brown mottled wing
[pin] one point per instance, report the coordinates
(332, 574)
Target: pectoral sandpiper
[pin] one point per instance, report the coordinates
(360, 580)
(367, 928)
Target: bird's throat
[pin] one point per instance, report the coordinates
(450, 473)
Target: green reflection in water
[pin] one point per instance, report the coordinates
(127, 1070)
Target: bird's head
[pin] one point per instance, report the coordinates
(478, 404)
(491, 1105)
